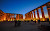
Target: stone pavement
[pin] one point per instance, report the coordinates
(25, 26)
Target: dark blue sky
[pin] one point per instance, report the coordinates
(20, 6)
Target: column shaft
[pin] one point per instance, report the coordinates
(42, 12)
(34, 15)
(38, 13)
(25, 16)
(48, 8)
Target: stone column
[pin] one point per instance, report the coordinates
(48, 8)
(22, 16)
(13, 17)
(5, 16)
(32, 15)
(26, 16)
(43, 17)
(38, 13)
(18, 16)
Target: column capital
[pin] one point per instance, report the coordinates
(44, 5)
(38, 8)
(34, 9)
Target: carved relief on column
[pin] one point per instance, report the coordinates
(48, 8)
(43, 17)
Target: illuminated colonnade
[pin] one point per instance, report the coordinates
(10, 16)
(19, 17)
(28, 16)
(1, 15)
(7, 16)
(48, 8)
(42, 12)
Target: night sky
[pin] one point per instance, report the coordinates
(20, 6)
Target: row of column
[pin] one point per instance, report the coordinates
(19, 17)
(12, 17)
(30, 14)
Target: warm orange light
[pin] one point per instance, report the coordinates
(11, 19)
(17, 19)
(40, 19)
(21, 19)
(43, 19)
(4, 18)
(0, 20)
(36, 20)
(8, 20)
(49, 19)
(40, 16)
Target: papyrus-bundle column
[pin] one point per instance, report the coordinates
(38, 13)
(27, 16)
(34, 15)
(30, 15)
(43, 17)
